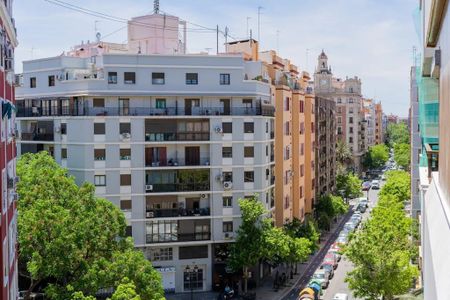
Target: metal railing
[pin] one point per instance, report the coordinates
(31, 136)
(177, 187)
(180, 237)
(176, 136)
(264, 110)
(172, 162)
(177, 212)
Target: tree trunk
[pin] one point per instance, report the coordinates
(33, 284)
(245, 279)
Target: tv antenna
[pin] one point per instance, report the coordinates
(156, 7)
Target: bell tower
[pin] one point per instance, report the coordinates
(323, 75)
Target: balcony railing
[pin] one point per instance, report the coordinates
(30, 136)
(176, 187)
(177, 212)
(264, 110)
(177, 136)
(180, 237)
(172, 162)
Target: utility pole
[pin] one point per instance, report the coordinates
(226, 35)
(217, 39)
(247, 32)
(259, 24)
(156, 7)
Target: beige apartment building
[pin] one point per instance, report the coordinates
(379, 135)
(294, 131)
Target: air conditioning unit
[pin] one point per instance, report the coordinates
(126, 136)
(218, 130)
(228, 235)
(203, 196)
(149, 214)
(58, 129)
(227, 185)
(149, 187)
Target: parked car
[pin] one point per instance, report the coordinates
(331, 259)
(328, 267)
(364, 200)
(342, 239)
(335, 251)
(383, 177)
(356, 220)
(375, 185)
(340, 296)
(366, 186)
(350, 225)
(322, 277)
(361, 208)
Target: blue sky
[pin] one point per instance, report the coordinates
(372, 39)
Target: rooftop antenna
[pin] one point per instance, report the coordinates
(259, 23)
(248, 33)
(156, 7)
(95, 27)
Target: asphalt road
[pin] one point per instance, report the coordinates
(337, 284)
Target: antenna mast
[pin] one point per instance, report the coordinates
(156, 7)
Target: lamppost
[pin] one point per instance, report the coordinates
(190, 276)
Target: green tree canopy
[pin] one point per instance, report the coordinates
(398, 184)
(377, 156)
(307, 229)
(329, 207)
(70, 240)
(402, 155)
(349, 184)
(397, 134)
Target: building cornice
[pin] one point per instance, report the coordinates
(437, 14)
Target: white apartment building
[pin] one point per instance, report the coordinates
(173, 140)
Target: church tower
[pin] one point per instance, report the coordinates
(323, 75)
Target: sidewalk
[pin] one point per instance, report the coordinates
(266, 291)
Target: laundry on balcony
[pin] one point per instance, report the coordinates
(7, 109)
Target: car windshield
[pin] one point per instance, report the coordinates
(319, 276)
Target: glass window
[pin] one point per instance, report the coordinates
(227, 176)
(63, 153)
(191, 78)
(129, 77)
(161, 254)
(227, 226)
(249, 176)
(99, 154)
(100, 180)
(227, 201)
(224, 79)
(248, 103)
(193, 279)
(125, 154)
(112, 77)
(125, 205)
(32, 82)
(99, 128)
(160, 103)
(99, 102)
(227, 127)
(227, 152)
(51, 80)
(158, 78)
(125, 179)
(249, 127)
(63, 128)
(125, 128)
(190, 252)
(249, 151)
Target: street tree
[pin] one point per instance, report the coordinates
(328, 208)
(397, 134)
(398, 184)
(402, 155)
(349, 184)
(376, 157)
(307, 229)
(69, 239)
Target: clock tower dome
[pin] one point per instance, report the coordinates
(323, 75)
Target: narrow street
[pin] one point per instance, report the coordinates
(337, 283)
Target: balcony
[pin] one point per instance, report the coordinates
(170, 181)
(259, 110)
(177, 212)
(31, 136)
(174, 206)
(432, 151)
(177, 231)
(176, 136)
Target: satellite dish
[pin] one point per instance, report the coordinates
(98, 35)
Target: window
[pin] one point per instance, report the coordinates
(225, 79)
(267, 150)
(227, 226)
(99, 128)
(227, 127)
(100, 180)
(63, 153)
(227, 176)
(191, 252)
(99, 154)
(161, 254)
(339, 110)
(312, 165)
(125, 205)
(129, 77)
(287, 152)
(286, 128)
(158, 78)
(351, 129)
(249, 176)
(302, 170)
(249, 151)
(302, 106)
(339, 100)
(350, 100)
(32, 82)
(350, 140)
(191, 78)
(160, 103)
(350, 120)
(287, 104)
(125, 179)
(227, 152)
(125, 154)
(63, 128)
(339, 120)
(302, 128)
(227, 201)
(99, 102)
(51, 80)
(301, 191)
(125, 128)
(249, 127)
(112, 77)
(302, 149)
(350, 110)
(267, 127)
(248, 103)
(339, 130)
(312, 127)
